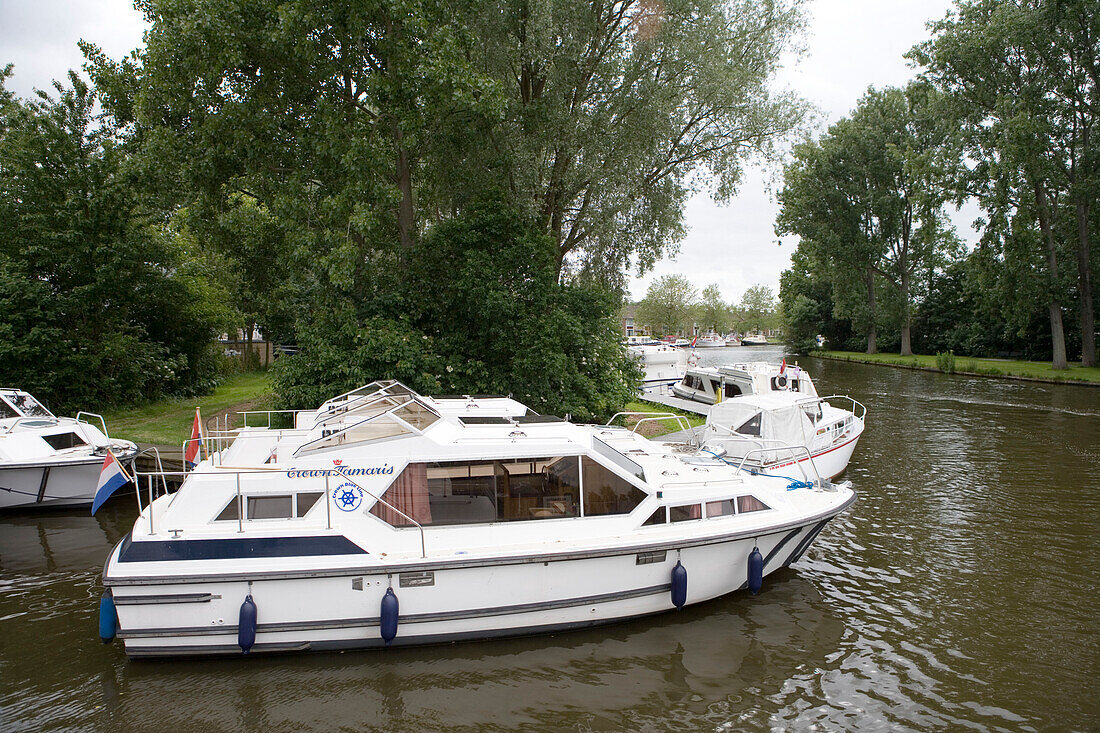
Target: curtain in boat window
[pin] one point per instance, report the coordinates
(409, 494)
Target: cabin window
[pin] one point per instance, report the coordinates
(61, 441)
(722, 508)
(606, 493)
(732, 390)
(750, 426)
(6, 411)
(657, 517)
(416, 414)
(714, 386)
(269, 507)
(750, 504)
(305, 501)
(684, 513)
(231, 511)
(27, 405)
(472, 492)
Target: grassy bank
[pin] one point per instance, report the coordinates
(168, 422)
(1039, 370)
(655, 429)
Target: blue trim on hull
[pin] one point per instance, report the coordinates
(236, 548)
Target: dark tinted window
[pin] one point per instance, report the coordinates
(606, 493)
(232, 510)
(751, 426)
(684, 513)
(269, 507)
(657, 517)
(61, 441)
(305, 502)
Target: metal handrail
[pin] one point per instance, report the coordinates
(252, 471)
(102, 422)
(681, 421)
(794, 449)
(245, 413)
(855, 403)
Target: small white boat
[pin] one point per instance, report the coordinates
(779, 432)
(641, 340)
(710, 340)
(389, 517)
(754, 339)
(732, 340)
(662, 365)
(48, 461)
(715, 384)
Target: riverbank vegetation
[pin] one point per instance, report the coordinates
(1042, 370)
(1005, 114)
(673, 306)
(167, 422)
(449, 193)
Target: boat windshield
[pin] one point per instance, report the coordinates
(383, 417)
(24, 405)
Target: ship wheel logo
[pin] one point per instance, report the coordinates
(347, 497)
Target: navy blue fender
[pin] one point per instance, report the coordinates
(679, 585)
(388, 627)
(756, 570)
(108, 618)
(246, 626)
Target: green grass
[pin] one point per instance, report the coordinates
(168, 422)
(655, 429)
(972, 365)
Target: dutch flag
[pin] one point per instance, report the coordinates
(111, 476)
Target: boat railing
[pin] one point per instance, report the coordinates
(858, 408)
(680, 420)
(80, 418)
(267, 414)
(151, 477)
(794, 451)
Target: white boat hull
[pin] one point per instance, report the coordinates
(444, 601)
(50, 485)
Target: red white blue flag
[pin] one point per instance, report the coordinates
(191, 454)
(111, 476)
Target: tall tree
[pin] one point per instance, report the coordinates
(667, 304)
(758, 306)
(1023, 79)
(91, 282)
(618, 109)
(713, 311)
(872, 194)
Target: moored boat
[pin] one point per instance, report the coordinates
(390, 517)
(710, 340)
(754, 339)
(715, 384)
(780, 432)
(662, 365)
(48, 461)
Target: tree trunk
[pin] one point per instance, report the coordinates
(406, 220)
(872, 333)
(1057, 332)
(1084, 287)
(906, 316)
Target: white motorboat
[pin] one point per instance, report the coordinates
(48, 461)
(732, 340)
(710, 340)
(778, 431)
(754, 339)
(641, 340)
(662, 365)
(715, 384)
(389, 517)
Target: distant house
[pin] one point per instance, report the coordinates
(626, 318)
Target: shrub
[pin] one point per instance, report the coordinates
(945, 361)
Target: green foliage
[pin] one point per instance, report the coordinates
(668, 304)
(945, 362)
(713, 313)
(98, 305)
(758, 307)
(483, 313)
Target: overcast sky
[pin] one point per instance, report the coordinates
(850, 45)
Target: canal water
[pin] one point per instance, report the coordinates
(959, 592)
